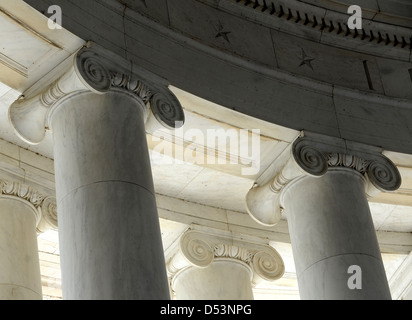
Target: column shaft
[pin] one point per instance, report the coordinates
(110, 241)
(19, 259)
(331, 229)
(222, 280)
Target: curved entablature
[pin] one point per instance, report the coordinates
(324, 17)
(378, 10)
(303, 74)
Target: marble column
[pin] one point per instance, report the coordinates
(323, 190)
(20, 277)
(222, 280)
(217, 265)
(331, 230)
(109, 233)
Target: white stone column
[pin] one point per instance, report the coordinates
(218, 265)
(323, 190)
(222, 280)
(331, 230)
(110, 241)
(20, 277)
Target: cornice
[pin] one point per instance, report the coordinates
(315, 18)
(314, 155)
(100, 71)
(200, 246)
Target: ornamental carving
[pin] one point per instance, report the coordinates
(22, 191)
(48, 210)
(45, 206)
(100, 71)
(305, 16)
(137, 87)
(199, 248)
(316, 157)
(313, 155)
(346, 160)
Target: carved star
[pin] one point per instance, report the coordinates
(222, 33)
(306, 60)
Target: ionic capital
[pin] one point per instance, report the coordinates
(200, 246)
(313, 155)
(97, 70)
(44, 207)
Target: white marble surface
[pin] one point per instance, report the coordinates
(110, 240)
(100, 138)
(285, 288)
(111, 249)
(222, 200)
(36, 163)
(390, 212)
(30, 50)
(331, 228)
(328, 279)
(173, 179)
(222, 280)
(19, 258)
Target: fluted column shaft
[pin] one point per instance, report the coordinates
(19, 258)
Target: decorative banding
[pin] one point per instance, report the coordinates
(131, 84)
(346, 160)
(338, 26)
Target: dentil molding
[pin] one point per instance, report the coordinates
(304, 15)
(200, 246)
(313, 155)
(97, 70)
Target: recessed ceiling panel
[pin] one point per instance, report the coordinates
(21, 47)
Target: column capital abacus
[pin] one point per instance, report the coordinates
(314, 155)
(44, 207)
(93, 69)
(200, 246)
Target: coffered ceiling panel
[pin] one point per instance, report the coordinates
(29, 48)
